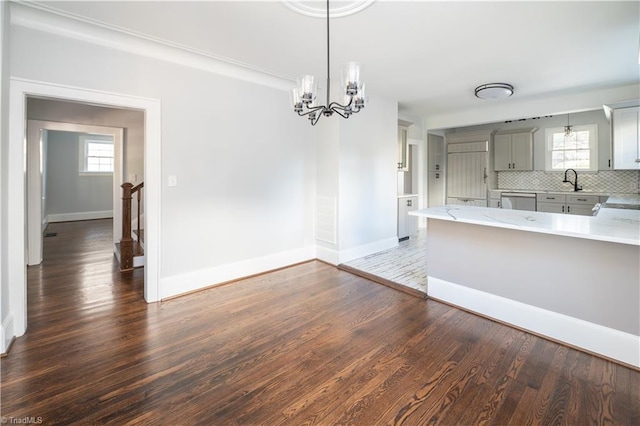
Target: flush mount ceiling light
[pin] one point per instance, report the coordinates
(494, 91)
(303, 97)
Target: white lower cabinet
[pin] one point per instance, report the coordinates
(550, 207)
(407, 225)
(577, 204)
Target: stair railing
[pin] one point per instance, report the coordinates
(126, 242)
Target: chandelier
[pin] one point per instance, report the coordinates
(304, 95)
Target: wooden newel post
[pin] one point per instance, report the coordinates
(126, 242)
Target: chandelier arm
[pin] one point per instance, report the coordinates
(311, 110)
(341, 114)
(336, 105)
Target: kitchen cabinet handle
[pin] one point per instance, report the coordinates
(581, 199)
(568, 209)
(562, 209)
(485, 175)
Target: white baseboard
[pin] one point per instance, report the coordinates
(69, 217)
(592, 337)
(191, 281)
(6, 333)
(139, 261)
(335, 257)
(367, 249)
(328, 255)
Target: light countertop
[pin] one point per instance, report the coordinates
(612, 225)
(624, 200)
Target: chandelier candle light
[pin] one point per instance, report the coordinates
(304, 95)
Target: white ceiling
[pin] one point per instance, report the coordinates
(427, 55)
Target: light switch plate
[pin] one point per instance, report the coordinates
(173, 181)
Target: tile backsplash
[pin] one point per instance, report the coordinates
(606, 181)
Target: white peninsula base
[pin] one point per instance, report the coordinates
(582, 291)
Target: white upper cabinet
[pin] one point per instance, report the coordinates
(513, 151)
(626, 138)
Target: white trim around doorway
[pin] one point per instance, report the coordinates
(20, 89)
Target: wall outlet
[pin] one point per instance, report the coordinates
(173, 181)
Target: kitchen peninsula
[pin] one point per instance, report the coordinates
(574, 279)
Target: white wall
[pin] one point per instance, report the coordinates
(368, 178)
(517, 107)
(356, 170)
(587, 117)
(245, 164)
(67, 192)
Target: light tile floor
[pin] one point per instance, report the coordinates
(405, 264)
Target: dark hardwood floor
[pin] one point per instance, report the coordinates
(308, 344)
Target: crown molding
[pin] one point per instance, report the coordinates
(47, 19)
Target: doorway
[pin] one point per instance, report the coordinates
(16, 197)
(67, 163)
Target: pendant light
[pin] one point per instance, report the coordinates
(569, 134)
(304, 95)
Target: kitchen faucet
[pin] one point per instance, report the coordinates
(575, 183)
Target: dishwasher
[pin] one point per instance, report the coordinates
(518, 201)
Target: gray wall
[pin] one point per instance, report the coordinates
(66, 190)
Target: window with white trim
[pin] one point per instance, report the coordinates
(579, 152)
(96, 155)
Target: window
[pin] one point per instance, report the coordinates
(96, 155)
(579, 152)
